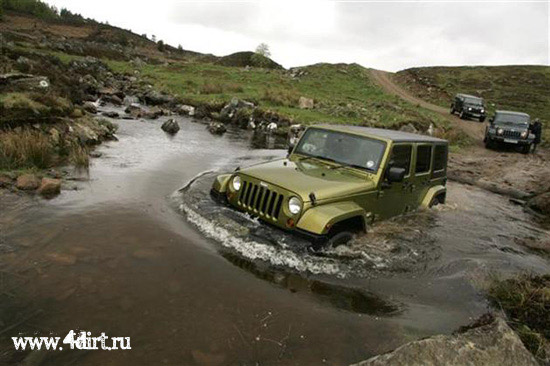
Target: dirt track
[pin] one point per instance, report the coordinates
(505, 172)
(474, 129)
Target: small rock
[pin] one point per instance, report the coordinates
(49, 187)
(95, 154)
(305, 103)
(216, 128)
(27, 182)
(187, 110)
(111, 114)
(170, 126)
(540, 203)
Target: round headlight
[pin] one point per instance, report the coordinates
(236, 183)
(482, 110)
(500, 131)
(294, 205)
(524, 134)
(469, 108)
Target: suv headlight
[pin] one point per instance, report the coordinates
(524, 134)
(469, 108)
(236, 183)
(294, 205)
(500, 131)
(482, 110)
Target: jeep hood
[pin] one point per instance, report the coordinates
(304, 177)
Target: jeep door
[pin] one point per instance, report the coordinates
(421, 174)
(396, 198)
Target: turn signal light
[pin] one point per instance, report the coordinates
(290, 222)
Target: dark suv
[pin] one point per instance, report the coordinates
(510, 128)
(468, 106)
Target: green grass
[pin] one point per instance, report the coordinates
(342, 93)
(526, 302)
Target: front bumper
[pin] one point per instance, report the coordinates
(511, 141)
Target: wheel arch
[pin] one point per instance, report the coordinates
(435, 191)
(321, 219)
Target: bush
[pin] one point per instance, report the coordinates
(32, 7)
(25, 149)
(281, 97)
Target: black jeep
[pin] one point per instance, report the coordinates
(510, 128)
(468, 106)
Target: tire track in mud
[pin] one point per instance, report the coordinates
(383, 79)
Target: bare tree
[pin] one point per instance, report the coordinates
(260, 58)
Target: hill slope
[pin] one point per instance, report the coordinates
(520, 88)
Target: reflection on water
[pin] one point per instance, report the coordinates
(220, 288)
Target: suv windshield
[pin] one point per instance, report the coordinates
(351, 150)
(473, 101)
(511, 119)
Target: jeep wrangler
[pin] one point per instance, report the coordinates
(509, 128)
(337, 180)
(468, 106)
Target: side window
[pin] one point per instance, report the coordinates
(423, 159)
(440, 160)
(401, 157)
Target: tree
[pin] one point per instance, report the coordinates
(260, 58)
(180, 48)
(160, 46)
(263, 49)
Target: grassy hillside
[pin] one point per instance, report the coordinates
(520, 88)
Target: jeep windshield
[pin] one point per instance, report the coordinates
(512, 119)
(473, 102)
(342, 148)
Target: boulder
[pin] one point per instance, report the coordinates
(27, 182)
(231, 108)
(540, 203)
(492, 344)
(408, 128)
(86, 135)
(136, 110)
(170, 126)
(90, 107)
(216, 128)
(305, 103)
(129, 100)
(49, 187)
(153, 97)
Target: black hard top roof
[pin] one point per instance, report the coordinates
(512, 112)
(468, 96)
(396, 136)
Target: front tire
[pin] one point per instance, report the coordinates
(462, 115)
(526, 149)
(489, 143)
(482, 119)
(452, 111)
(341, 238)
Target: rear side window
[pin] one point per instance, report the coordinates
(401, 157)
(440, 160)
(423, 159)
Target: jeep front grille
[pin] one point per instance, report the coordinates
(515, 134)
(260, 201)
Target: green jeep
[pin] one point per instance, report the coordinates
(337, 180)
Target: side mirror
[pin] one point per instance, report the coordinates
(395, 174)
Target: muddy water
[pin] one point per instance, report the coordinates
(128, 254)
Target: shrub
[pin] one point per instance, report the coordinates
(25, 149)
(281, 97)
(211, 89)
